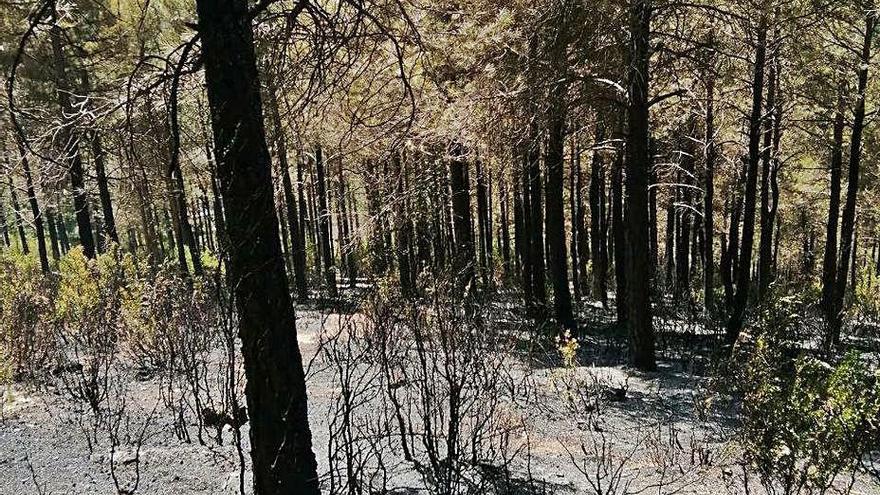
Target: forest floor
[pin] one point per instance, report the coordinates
(657, 434)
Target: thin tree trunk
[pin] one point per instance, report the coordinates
(619, 235)
(296, 239)
(557, 255)
(504, 228)
(461, 219)
(35, 208)
(597, 221)
(741, 297)
(404, 232)
(324, 225)
(483, 223)
(104, 188)
(573, 218)
(535, 229)
(765, 250)
(70, 145)
(583, 237)
(848, 221)
(4, 225)
(829, 263)
(709, 198)
(16, 213)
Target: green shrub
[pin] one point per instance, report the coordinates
(805, 420)
(26, 297)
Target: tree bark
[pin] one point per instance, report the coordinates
(765, 250)
(639, 320)
(290, 202)
(35, 208)
(557, 256)
(829, 262)
(461, 220)
(324, 225)
(709, 198)
(485, 230)
(597, 221)
(848, 220)
(70, 145)
(16, 211)
(403, 247)
(619, 235)
(281, 443)
(741, 296)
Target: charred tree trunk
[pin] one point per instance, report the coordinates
(16, 213)
(597, 221)
(848, 220)
(504, 228)
(583, 237)
(557, 255)
(573, 218)
(347, 248)
(671, 229)
(406, 276)
(281, 443)
(483, 226)
(709, 198)
(641, 328)
(619, 235)
(741, 296)
(4, 225)
(765, 250)
(70, 145)
(35, 208)
(461, 219)
(290, 202)
(535, 229)
(324, 225)
(829, 266)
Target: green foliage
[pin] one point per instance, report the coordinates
(866, 296)
(806, 420)
(26, 296)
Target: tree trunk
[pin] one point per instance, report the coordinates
(461, 220)
(535, 229)
(619, 235)
(741, 296)
(765, 250)
(281, 444)
(504, 228)
(104, 188)
(4, 225)
(829, 262)
(557, 255)
(685, 218)
(709, 198)
(324, 225)
(583, 237)
(294, 228)
(848, 221)
(16, 211)
(573, 218)
(403, 230)
(597, 221)
(483, 224)
(35, 208)
(641, 328)
(70, 145)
